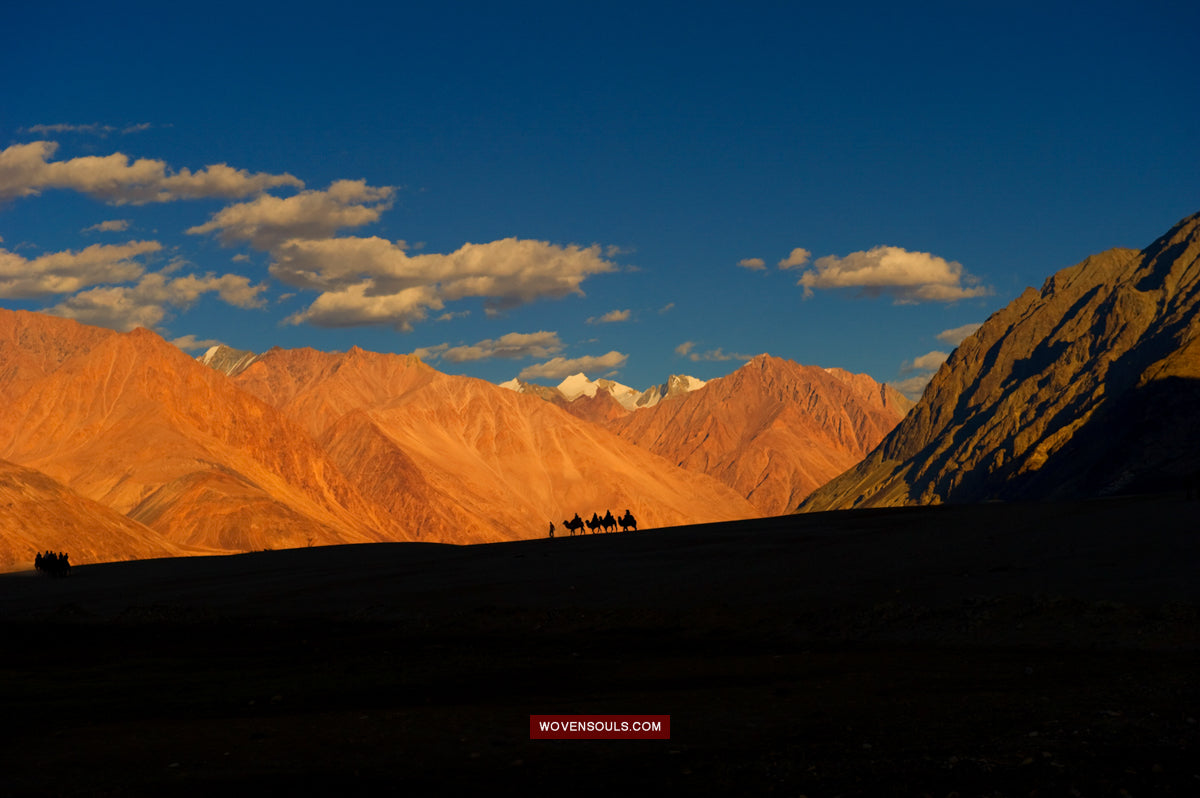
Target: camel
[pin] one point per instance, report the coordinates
(610, 523)
(594, 523)
(628, 520)
(575, 524)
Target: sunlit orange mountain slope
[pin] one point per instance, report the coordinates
(773, 430)
(39, 514)
(129, 421)
(470, 460)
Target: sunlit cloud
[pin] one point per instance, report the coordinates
(957, 335)
(798, 258)
(930, 361)
(754, 264)
(560, 367)
(66, 272)
(513, 346)
(25, 170)
(147, 303)
(111, 226)
(908, 277)
(89, 129)
(267, 221)
(687, 349)
(362, 280)
(357, 306)
(430, 353)
(922, 369)
(716, 355)
(913, 387)
(190, 343)
(611, 317)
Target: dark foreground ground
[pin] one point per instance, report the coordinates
(996, 650)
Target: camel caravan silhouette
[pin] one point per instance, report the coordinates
(53, 564)
(607, 523)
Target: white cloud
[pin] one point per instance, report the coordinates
(513, 346)
(957, 335)
(26, 171)
(267, 221)
(908, 277)
(560, 367)
(913, 387)
(146, 303)
(111, 226)
(797, 258)
(90, 129)
(717, 354)
(428, 353)
(66, 272)
(922, 368)
(667, 308)
(611, 317)
(374, 281)
(190, 343)
(359, 305)
(930, 361)
(688, 349)
(514, 271)
(754, 264)
(44, 130)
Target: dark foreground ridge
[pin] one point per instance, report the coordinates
(985, 650)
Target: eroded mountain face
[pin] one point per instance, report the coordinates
(1087, 387)
(773, 430)
(301, 448)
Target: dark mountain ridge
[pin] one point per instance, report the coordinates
(1084, 388)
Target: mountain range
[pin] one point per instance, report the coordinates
(579, 386)
(1088, 387)
(118, 445)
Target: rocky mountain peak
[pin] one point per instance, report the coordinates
(227, 360)
(1079, 389)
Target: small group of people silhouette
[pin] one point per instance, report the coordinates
(53, 564)
(596, 523)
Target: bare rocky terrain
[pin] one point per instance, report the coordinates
(773, 430)
(1087, 387)
(993, 650)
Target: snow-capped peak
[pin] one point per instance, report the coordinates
(577, 385)
(227, 360)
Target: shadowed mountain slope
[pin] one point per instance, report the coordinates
(1085, 388)
(773, 430)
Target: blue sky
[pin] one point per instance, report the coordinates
(632, 190)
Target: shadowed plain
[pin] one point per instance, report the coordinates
(990, 649)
